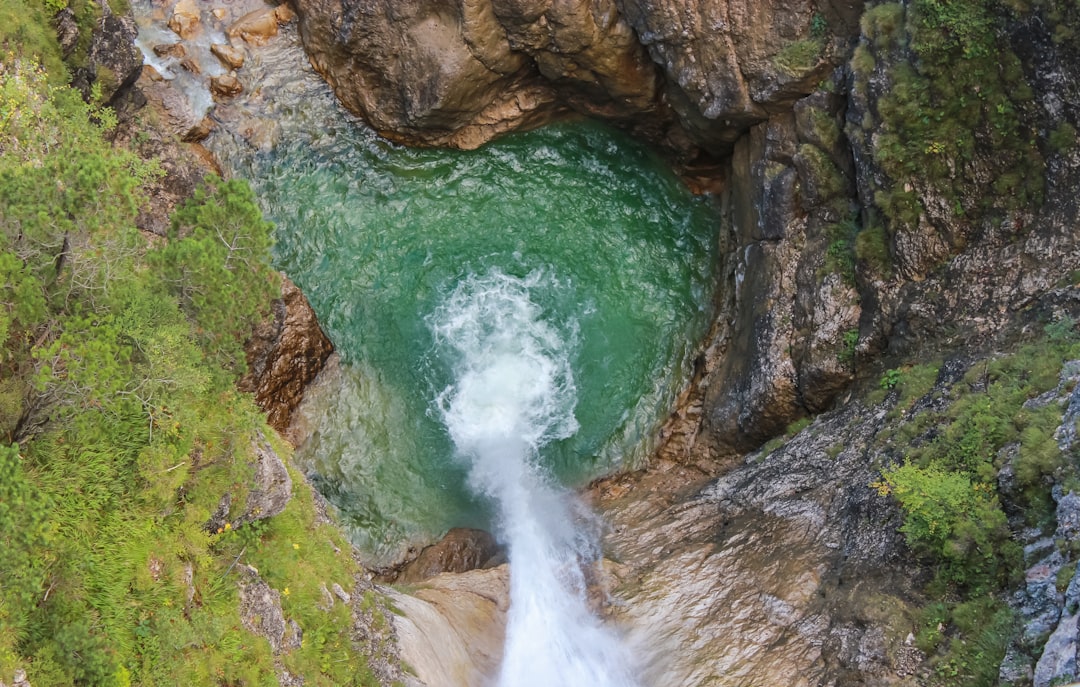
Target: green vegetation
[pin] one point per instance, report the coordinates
(946, 485)
(799, 57)
(1062, 138)
(120, 427)
(847, 353)
(954, 113)
(840, 255)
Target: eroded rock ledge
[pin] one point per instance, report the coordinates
(690, 76)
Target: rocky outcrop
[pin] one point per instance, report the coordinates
(17, 680)
(113, 63)
(284, 355)
(450, 630)
(264, 496)
(261, 614)
(690, 76)
(461, 550)
(1048, 604)
(787, 570)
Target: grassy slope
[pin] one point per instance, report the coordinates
(120, 427)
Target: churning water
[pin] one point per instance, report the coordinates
(513, 321)
(512, 393)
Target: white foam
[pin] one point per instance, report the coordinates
(513, 393)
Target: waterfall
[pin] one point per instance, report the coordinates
(513, 393)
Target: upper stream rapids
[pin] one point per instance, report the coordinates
(512, 322)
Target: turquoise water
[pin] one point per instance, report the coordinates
(617, 253)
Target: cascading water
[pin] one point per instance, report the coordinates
(513, 392)
(565, 275)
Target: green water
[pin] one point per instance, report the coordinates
(377, 235)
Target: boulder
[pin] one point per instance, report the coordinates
(259, 26)
(226, 86)
(284, 356)
(185, 20)
(460, 550)
(231, 57)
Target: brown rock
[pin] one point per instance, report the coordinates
(200, 131)
(425, 71)
(460, 550)
(185, 20)
(176, 50)
(225, 86)
(284, 355)
(231, 57)
(191, 65)
(442, 73)
(260, 26)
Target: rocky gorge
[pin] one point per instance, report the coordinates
(855, 239)
(788, 114)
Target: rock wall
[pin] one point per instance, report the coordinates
(756, 102)
(690, 76)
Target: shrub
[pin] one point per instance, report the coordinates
(216, 265)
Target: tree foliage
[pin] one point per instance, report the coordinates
(215, 265)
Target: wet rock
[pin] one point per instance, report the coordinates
(225, 86)
(183, 166)
(258, 27)
(231, 57)
(199, 131)
(189, 64)
(459, 551)
(176, 50)
(284, 356)
(172, 109)
(450, 631)
(185, 20)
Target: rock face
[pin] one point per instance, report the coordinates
(459, 551)
(285, 355)
(113, 63)
(787, 570)
(450, 630)
(688, 75)
(1046, 652)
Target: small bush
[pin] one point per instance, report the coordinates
(799, 57)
